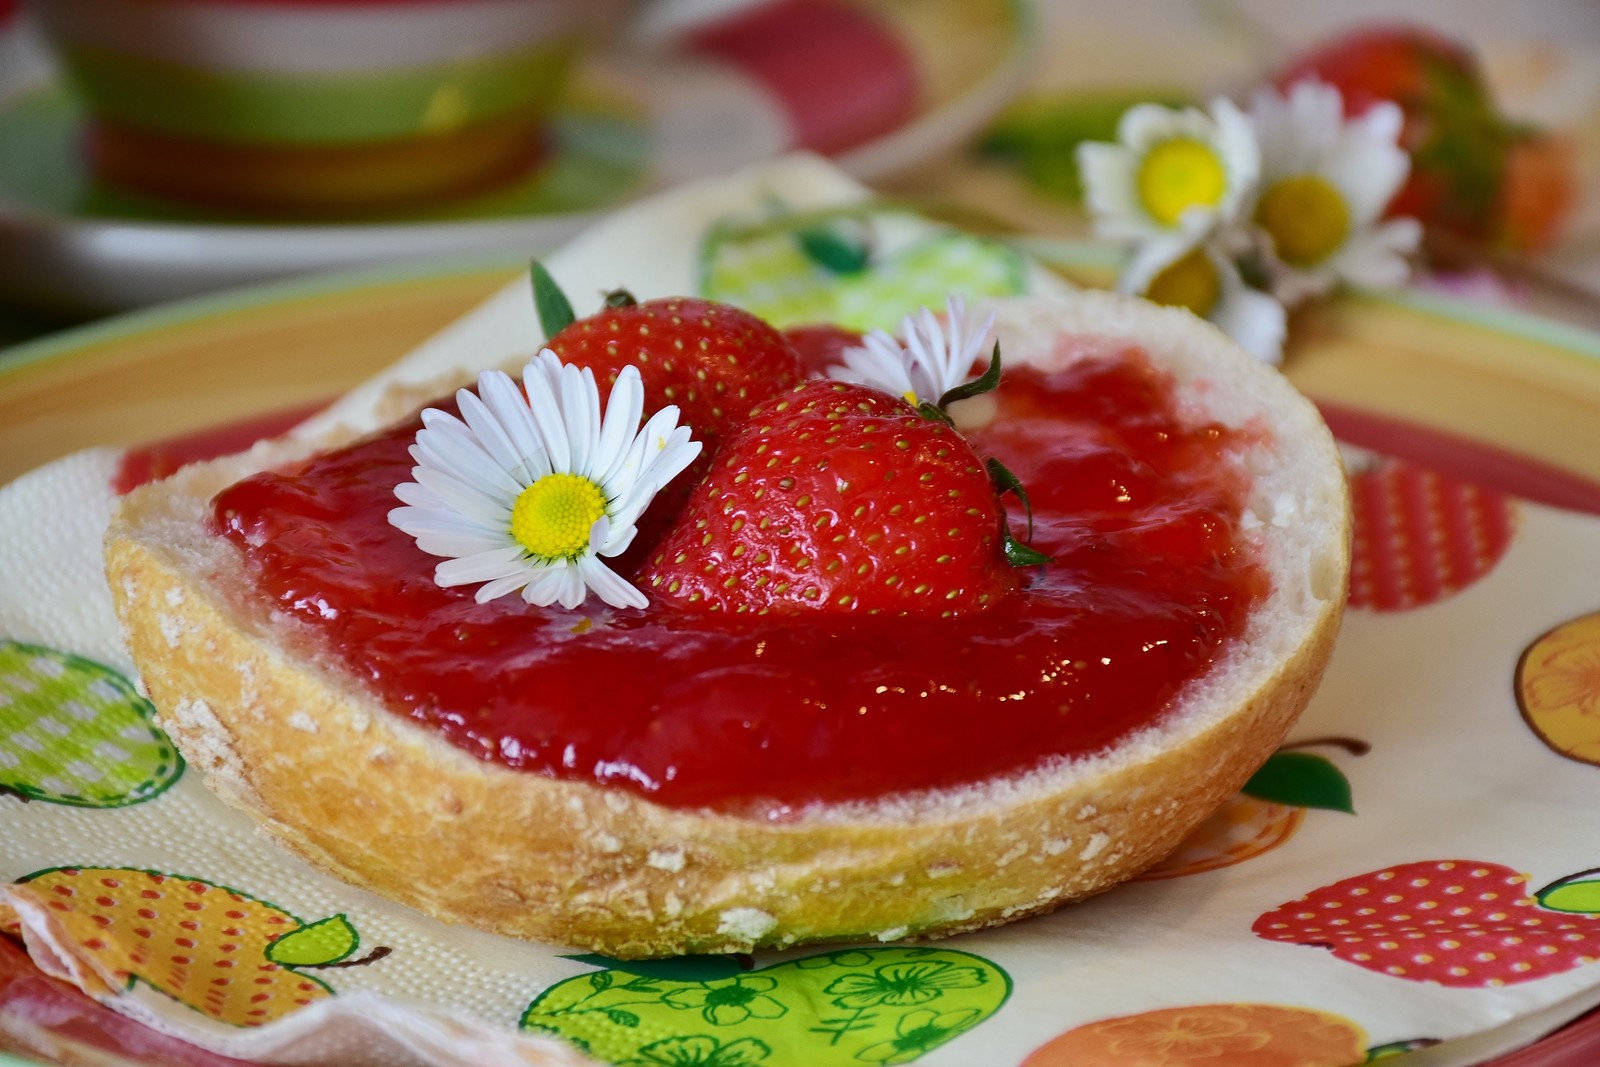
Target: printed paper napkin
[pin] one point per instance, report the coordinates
(1415, 870)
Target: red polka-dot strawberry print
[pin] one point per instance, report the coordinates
(1462, 923)
(1420, 536)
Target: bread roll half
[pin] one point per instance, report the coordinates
(381, 802)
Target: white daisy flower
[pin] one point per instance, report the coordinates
(1171, 172)
(1325, 184)
(1203, 278)
(935, 358)
(527, 492)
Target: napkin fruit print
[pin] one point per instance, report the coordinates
(1449, 922)
(224, 954)
(78, 733)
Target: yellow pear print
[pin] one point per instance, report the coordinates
(223, 953)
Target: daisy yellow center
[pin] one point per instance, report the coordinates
(1191, 282)
(553, 516)
(1307, 218)
(1177, 175)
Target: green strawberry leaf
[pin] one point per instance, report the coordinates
(555, 310)
(316, 945)
(1021, 555)
(1302, 780)
(1578, 894)
(674, 969)
(1005, 482)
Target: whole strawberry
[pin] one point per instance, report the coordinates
(714, 361)
(838, 498)
(1449, 922)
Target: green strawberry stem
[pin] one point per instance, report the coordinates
(1006, 482)
(984, 383)
(555, 310)
(374, 956)
(1353, 745)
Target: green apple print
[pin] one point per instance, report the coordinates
(860, 268)
(855, 1006)
(75, 732)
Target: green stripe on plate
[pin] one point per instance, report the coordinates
(255, 108)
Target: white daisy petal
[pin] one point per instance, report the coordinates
(481, 567)
(548, 418)
(506, 404)
(490, 433)
(459, 451)
(529, 487)
(624, 407)
(609, 586)
(419, 496)
(879, 361)
(500, 587)
(580, 403)
(456, 494)
(936, 357)
(544, 585)
(1380, 257)
(446, 533)
(1254, 319)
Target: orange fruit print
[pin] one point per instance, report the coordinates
(216, 950)
(1238, 1035)
(1267, 812)
(1558, 688)
(1243, 828)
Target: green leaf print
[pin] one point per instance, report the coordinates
(75, 732)
(886, 1004)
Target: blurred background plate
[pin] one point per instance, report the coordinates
(687, 89)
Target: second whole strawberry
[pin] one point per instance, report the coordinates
(838, 498)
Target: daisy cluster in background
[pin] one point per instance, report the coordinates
(1241, 215)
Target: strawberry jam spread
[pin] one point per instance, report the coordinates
(1136, 505)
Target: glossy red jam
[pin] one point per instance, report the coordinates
(1148, 584)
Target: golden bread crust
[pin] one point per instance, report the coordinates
(385, 804)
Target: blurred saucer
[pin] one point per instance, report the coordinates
(694, 87)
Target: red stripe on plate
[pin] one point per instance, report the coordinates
(1464, 458)
(151, 462)
(841, 76)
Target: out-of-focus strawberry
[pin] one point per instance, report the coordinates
(1540, 191)
(1477, 179)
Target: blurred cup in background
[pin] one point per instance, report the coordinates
(317, 107)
